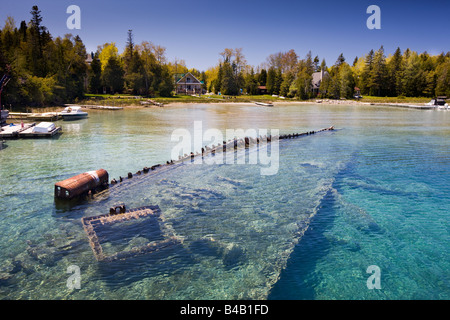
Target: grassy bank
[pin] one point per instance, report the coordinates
(372, 99)
(129, 100)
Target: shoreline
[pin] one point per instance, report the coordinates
(318, 102)
(328, 102)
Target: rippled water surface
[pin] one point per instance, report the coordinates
(374, 192)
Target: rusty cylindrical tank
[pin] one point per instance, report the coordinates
(82, 183)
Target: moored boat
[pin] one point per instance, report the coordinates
(73, 113)
(439, 103)
(264, 104)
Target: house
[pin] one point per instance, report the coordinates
(89, 58)
(188, 84)
(317, 78)
(262, 90)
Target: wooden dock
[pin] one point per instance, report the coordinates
(48, 116)
(18, 132)
(410, 106)
(97, 107)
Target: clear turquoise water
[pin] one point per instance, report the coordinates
(375, 192)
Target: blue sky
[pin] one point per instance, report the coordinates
(198, 30)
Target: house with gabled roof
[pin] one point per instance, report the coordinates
(188, 84)
(317, 78)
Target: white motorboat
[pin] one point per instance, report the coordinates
(439, 103)
(73, 113)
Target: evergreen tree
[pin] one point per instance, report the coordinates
(366, 74)
(411, 80)
(262, 77)
(316, 64)
(129, 52)
(340, 60)
(229, 84)
(395, 70)
(37, 31)
(95, 75)
(378, 73)
(113, 75)
(271, 80)
(251, 84)
(323, 65)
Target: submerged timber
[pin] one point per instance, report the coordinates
(226, 146)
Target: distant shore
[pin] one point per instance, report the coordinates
(127, 103)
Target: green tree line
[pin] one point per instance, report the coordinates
(52, 71)
(406, 73)
(43, 70)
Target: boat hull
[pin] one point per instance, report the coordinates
(74, 117)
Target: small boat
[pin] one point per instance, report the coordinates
(439, 103)
(264, 104)
(73, 113)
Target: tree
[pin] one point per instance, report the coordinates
(395, 70)
(316, 64)
(107, 51)
(288, 78)
(37, 32)
(443, 79)
(262, 77)
(323, 65)
(95, 75)
(411, 80)
(129, 53)
(340, 60)
(218, 82)
(346, 80)
(378, 73)
(366, 73)
(166, 85)
(229, 84)
(304, 80)
(148, 60)
(113, 75)
(251, 84)
(271, 80)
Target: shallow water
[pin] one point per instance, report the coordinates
(374, 192)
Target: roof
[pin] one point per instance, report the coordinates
(183, 76)
(317, 78)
